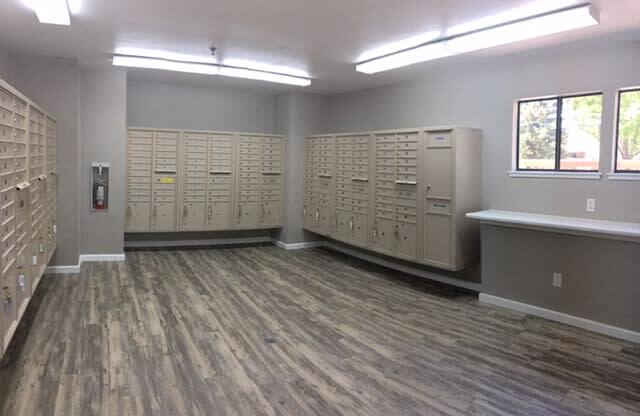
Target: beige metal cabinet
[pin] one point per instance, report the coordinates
(195, 160)
(353, 189)
(402, 193)
(37, 179)
(259, 190)
(248, 182)
(164, 186)
(452, 188)
(27, 203)
(319, 197)
(395, 224)
(220, 181)
(139, 177)
(271, 181)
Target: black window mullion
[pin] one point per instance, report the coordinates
(558, 133)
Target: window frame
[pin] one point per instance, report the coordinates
(558, 148)
(616, 137)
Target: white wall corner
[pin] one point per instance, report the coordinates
(298, 246)
(552, 315)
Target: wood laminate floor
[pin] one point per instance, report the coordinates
(261, 331)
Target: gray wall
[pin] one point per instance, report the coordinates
(481, 94)
(600, 277)
(53, 83)
(103, 133)
(4, 65)
(298, 115)
(154, 104)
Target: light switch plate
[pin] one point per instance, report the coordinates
(591, 205)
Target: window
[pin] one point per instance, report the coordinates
(628, 132)
(560, 134)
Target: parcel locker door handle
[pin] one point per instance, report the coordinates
(239, 210)
(185, 211)
(351, 225)
(155, 211)
(318, 216)
(210, 212)
(128, 210)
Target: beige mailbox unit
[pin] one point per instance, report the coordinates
(401, 193)
(27, 203)
(203, 181)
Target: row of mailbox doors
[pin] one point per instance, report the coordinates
(387, 236)
(211, 216)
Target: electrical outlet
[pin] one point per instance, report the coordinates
(591, 205)
(557, 280)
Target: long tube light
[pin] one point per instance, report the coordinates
(55, 12)
(510, 32)
(208, 69)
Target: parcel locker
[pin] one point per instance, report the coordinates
(451, 176)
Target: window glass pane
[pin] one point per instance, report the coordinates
(629, 132)
(537, 135)
(580, 139)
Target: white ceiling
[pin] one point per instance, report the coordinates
(323, 37)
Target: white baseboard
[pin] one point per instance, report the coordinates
(298, 246)
(372, 258)
(593, 326)
(63, 269)
(196, 243)
(84, 258)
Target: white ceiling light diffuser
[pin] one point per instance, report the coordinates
(528, 28)
(166, 65)
(55, 12)
(208, 69)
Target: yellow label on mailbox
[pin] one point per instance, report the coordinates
(167, 180)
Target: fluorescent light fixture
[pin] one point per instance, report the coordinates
(166, 65)
(229, 71)
(407, 57)
(399, 45)
(278, 69)
(535, 8)
(160, 54)
(75, 6)
(527, 28)
(55, 12)
(207, 69)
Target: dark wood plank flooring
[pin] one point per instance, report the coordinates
(261, 331)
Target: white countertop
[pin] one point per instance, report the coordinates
(613, 229)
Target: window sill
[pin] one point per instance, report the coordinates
(619, 176)
(594, 176)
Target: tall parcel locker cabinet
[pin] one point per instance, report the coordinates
(452, 175)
